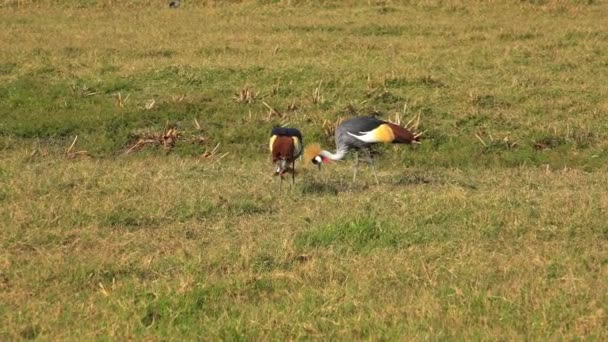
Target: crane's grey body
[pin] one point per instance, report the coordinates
(360, 134)
(174, 4)
(346, 141)
(346, 133)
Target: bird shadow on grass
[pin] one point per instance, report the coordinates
(323, 187)
(320, 188)
(333, 187)
(415, 178)
(420, 178)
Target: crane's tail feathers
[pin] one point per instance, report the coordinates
(417, 136)
(311, 151)
(409, 133)
(403, 135)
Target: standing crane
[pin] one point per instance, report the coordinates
(285, 146)
(360, 134)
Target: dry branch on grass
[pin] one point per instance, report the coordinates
(316, 94)
(71, 154)
(198, 139)
(245, 95)
(272, 113)
(83, 90)
(329, 127)
(504, 143)
(178, 98)
(166, 139)
(169, 138)
(37, 152)
(150, 104)
(375, 93)
(119, 101)
(197, 125)
(292, 107)
(214, 153)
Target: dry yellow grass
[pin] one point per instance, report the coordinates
(107, 248)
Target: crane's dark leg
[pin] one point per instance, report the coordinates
(370, 159)
(356, 165)
(293, 173)
(374, 170)
(281, 177)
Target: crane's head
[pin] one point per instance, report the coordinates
(312, 154)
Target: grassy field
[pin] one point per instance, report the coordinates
(496, 227)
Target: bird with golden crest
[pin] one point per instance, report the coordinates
(285, 147)
(360, 134)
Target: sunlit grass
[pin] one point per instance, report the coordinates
(494, 228)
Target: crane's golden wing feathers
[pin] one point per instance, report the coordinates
(272, 139)
(311, 151)
(297, 147)
(380, 134)
(384, 133)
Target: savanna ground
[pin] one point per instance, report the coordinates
(494, 228)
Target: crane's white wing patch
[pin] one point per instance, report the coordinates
(368, 137)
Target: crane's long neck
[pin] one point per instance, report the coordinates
(334, 156)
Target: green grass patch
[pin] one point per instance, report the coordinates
(364, 234)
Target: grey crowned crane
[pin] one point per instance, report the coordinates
(360, 134)
(285, 146)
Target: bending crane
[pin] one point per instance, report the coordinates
(360, 134)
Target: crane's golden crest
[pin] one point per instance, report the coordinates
(311, 151)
